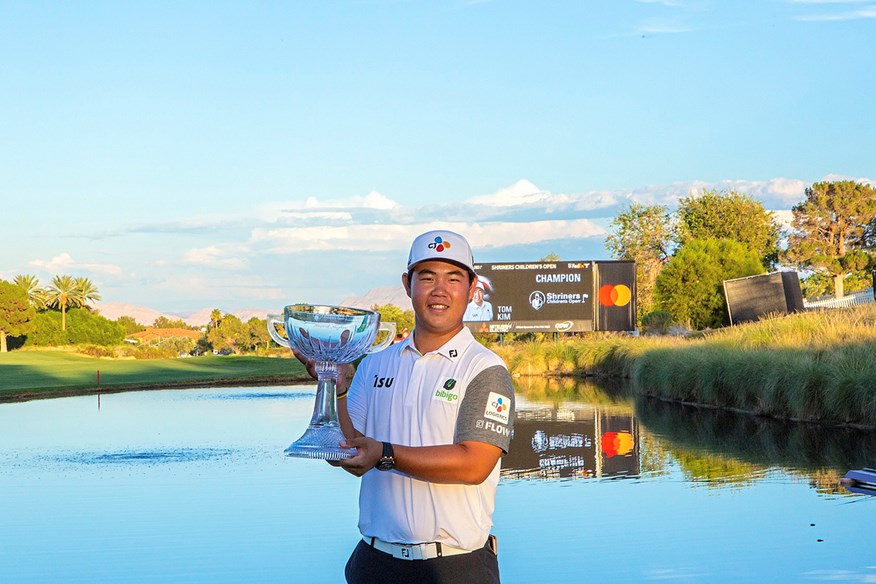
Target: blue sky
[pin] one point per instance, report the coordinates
(186, 155)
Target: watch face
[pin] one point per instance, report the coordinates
(387, 461)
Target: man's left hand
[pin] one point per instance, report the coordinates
(368, 452)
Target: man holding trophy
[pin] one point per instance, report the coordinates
(430, 417)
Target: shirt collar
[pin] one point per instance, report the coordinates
(452, 349)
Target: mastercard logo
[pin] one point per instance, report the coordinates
(617, 444)
(610, 295)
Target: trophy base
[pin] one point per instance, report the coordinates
(320, 442)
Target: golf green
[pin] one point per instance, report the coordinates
(30, 374)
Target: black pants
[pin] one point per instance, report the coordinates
(368, 565)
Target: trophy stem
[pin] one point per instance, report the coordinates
(325, 408)
(323, 435)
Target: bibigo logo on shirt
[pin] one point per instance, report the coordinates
(498, 408)
(448, 392)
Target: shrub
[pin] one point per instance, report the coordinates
(657, 322)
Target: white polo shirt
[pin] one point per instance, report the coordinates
(462, 391)
(473, 312)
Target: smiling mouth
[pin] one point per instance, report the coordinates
(439, 306)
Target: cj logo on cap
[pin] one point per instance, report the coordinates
(439, 244)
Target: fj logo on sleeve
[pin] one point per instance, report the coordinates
(498, 408)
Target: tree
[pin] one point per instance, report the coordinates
(16, 313)
(86, 328)
(643, 234)
(729, 215)
(256, 335)
(62, 294)
(403, 319)
(163, 322)
(216, 317)
(690, 287)
(89, 328)
(828, 225)
(35, 293)
(229, 334)
(130, 324)
(86, 291)
(47, 330)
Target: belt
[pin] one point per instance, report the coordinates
(414, 551)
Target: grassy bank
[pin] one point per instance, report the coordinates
(818, 366)
(36, 374)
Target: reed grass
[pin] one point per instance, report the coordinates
(814, 366)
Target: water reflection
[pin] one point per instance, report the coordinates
(128, 457)
(722, 447)
(192, 486)
(568, 428)
(573, 440)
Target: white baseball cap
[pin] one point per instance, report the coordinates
(441, 245)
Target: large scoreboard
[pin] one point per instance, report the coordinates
(562, 296)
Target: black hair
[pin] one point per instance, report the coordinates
(471, 274)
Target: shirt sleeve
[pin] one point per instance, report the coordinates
(356, 399)
(486, 413)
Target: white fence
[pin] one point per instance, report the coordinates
(853, 299)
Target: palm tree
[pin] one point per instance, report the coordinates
(35, 293)
(215, 318)
(86, 291)
(62, 293)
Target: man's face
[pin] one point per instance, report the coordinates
(439, 293)
(478, 296)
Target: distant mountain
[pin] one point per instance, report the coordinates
(387, 295)
(142, 314)
(146, 316)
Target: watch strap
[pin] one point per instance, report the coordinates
(387, 460)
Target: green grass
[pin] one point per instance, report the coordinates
(28, 374)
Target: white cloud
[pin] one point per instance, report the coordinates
(783, 217)
(859, 14)
(206, 286)
(313, 210)
(837, 177)
(521, 213)
(213, 257)
(522, 192)
(503, 234)
(372, 200)
(64, 263)
(525, 194)
(827, 1)
(389, 237)
(326, 237)
(781, 191)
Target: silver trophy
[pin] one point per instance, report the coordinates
(328, 336)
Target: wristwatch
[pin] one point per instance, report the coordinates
(387, 461)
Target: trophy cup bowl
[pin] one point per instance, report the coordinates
(328, 336)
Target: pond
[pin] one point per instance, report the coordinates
(191, 486)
